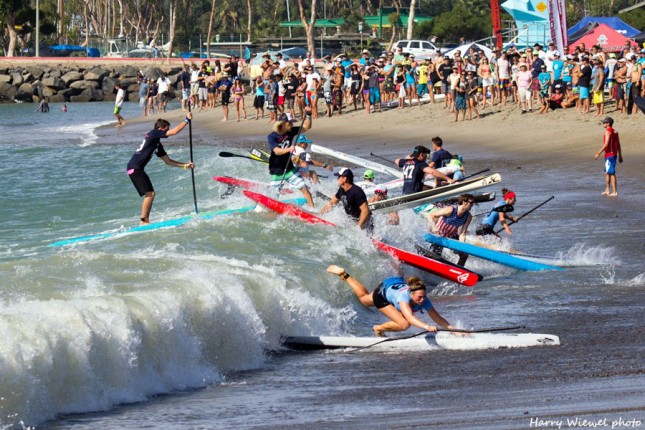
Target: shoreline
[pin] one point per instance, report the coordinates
(556, 138)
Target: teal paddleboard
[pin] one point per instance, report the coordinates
(171, 223)
(489, 254)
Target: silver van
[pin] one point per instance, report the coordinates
(420, 48)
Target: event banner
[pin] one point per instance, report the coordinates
(558, 23)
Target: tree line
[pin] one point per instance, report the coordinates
(83, 22)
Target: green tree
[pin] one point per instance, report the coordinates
(459, 23)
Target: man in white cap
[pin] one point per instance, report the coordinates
(353, 199)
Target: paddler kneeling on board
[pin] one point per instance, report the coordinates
(152, 144)
(353, 198)
(397, 299)
(499, 213)
(282, 148)
(302, 159)
(452, 222)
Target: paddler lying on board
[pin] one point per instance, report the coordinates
(353, 198)
(499, 213)
(415, 168)
(152, 144)
(452, 222)
(397, 299)
(282, 148)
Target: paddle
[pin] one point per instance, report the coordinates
(190, 139)
(522, 216)
(452, 330)
(474, 174)
(382, 158)
(230, 154)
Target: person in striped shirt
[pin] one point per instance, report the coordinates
(452, 222)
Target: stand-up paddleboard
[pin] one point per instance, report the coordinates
(247, 184)
(446, 271)
(489, 254)
(159, 225)
(377, 167)
(285, 208)
(441, 340)
(441, 193)
(428, 253)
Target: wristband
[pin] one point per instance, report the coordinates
(344, 276)
(185, 166)
(187, 120)
(308, 114)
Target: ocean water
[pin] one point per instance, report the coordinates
(180, 328)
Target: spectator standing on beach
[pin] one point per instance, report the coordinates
(599, 87)
(184, 83)
(544, 78)
(224, 87)
(613, 153)
(584, 82)
(524, 88)
(144, 89)
(503, 73)
(258, 101)
(444, 70)
(238, 98)
(471, 95)
(164, 88)
(460, 98)
(118, 104)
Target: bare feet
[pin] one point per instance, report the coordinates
(378, 331)
(606, 193)
(613, 195)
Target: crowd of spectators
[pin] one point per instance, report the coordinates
(531, 80)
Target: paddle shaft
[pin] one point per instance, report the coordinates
(522, 216)
(192, 171)
(453, 330)
(382, 158)
(474, 174)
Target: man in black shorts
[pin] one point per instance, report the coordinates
(152, 144)
(353, 199)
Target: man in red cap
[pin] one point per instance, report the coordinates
(611, 147)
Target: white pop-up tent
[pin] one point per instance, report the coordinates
(465, 48)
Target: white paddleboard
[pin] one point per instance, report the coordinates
(441, 340)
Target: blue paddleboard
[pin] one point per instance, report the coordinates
(489, 254)
(161, 225)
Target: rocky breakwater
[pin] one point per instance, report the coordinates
(76, 83)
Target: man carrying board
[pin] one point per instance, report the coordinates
(152, 144)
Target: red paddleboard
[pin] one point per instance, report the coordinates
(285, 208)
(247, 184)
(446, 271)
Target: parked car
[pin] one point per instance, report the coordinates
(420, 48)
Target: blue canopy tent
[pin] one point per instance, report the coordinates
(613, 22)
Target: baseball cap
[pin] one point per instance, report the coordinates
(622, 60)
(608, 120)
(369, 174)
(382, 189)
(346, 172)
(284, 117)
(365, 51)
(612, 55)
(420, 149)
(303, 139)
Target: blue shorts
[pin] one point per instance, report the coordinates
(610, 165)
(584, 92)
(375, 95)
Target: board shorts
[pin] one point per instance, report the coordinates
(143, 101)
(378, 297)
(290, 103)
(185, 92)
(117, 110)
(328, 98)
(141, 181)
(203, 93)
(194, 89)
(292, 178)
(422, 89)
(280, 100)
(226, 98)
(598, 97)
(375, 95)
(610, 165)
(584, 92)
(163, 96)
(504, 84)
(258, 102)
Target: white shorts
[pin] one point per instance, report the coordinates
(525, 94)
(487, 82)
